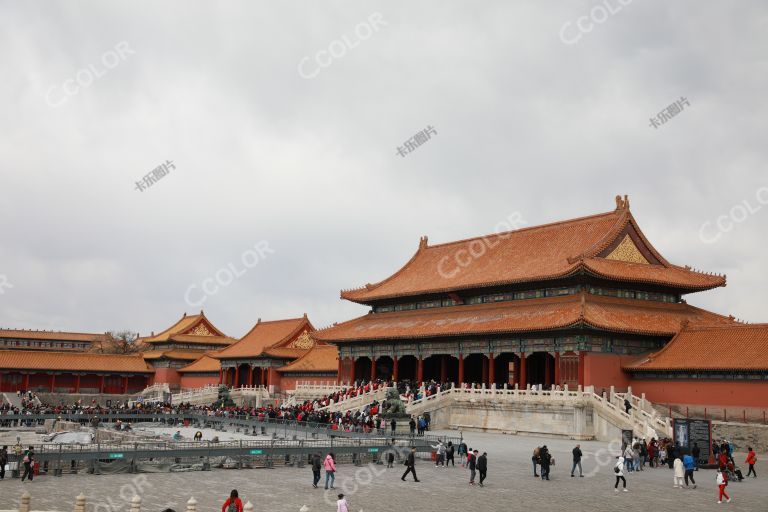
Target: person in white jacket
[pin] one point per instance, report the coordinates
(618, 469)
(722, 481)
(677, 479)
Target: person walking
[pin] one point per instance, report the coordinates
(233, 503)
(463, 453)
(410, 462)
(440, 454)
(449, 455)
(618, 469)
(535, 459)
(393, 425)
(722, 482)
(482, 467)
(317, 463)
(677, 477)
(330, 470)
(472, 464)
(412, 426)
(751, 460)
(577, 460)
(29, 464)
(3, 460)
(690, 465)
(544, 460)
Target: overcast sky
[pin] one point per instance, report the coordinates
(539, 108)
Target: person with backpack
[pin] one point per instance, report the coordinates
(722, 482)
(751, 460)
(233, 503)
(463, 453)
(618, 470)
(317, 463)
(3, 461)
(482, 466)
(29, 464)
(330, 470)
(449, 455)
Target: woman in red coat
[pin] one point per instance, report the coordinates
(751, 460)
(233, 504)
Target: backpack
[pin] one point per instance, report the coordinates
(616, 469)
(232, 507)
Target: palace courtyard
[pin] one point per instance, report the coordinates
(510, 486)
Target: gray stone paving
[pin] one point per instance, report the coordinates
(510, 486)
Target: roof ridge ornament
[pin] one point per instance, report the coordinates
(423, 242)
(622, 204)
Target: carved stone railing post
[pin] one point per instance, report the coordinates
(80, 503)
(136, 504)
(192, 505)
(24, 505)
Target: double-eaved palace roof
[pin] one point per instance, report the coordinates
(730, 348)
(608, 245)
(550, 313)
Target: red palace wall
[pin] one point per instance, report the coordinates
(167, 376)
(604, 371)
(191, 381)
(703, 392)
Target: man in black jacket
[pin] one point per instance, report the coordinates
(411, 463)
(577, 460)
(544, 459)
(482, 466)
(316, 464)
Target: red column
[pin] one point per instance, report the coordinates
(484, 377)
(443, 368)
(461, 370)
(547, 371)
(125, 385)
(420, 371)
(77, 383)
(394, 368)
(582, 357)
(101, 384)
(523, 376)
(237, 376)
(25, 382)
(265, 376)
(491, 370)
(52, 381)
(250, 375)
(339, 371)
(373, 368)
(221, 375)
(557, 368)
(269, 376)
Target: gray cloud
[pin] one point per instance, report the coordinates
(525, 123)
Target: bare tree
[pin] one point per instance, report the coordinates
(118, 342)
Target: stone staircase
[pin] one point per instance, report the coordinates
(608, 412)
(12, 399)
(357, 402)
